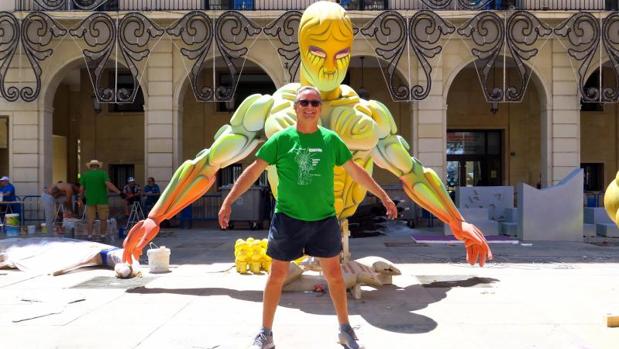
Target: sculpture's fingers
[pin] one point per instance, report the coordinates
(485, 246)
(483, 255)
(473, 256)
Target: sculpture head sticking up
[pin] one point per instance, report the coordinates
(325, 43)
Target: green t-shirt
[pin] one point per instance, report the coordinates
(305, 165)
(93, 182)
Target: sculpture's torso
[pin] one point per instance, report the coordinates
(350, 117)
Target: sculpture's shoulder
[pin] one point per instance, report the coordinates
(287, 92)
(252, 112)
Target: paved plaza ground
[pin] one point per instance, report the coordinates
(546, 295)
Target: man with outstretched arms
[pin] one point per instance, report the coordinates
(305, 222)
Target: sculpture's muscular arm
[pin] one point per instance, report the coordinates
(422, 184)
(194, 177)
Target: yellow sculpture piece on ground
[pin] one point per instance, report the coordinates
(611, 200)
(250, 255)
(366, 126)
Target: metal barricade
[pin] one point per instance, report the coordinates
(205, 208)
(32, 210)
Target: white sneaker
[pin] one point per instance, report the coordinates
(348, 339)
(263, 341)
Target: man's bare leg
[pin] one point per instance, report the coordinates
(273, 291)
(337, 289)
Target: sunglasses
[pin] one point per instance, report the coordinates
(306, 102)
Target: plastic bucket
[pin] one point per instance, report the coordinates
(159, 259)
(11, 224)
(12, 219)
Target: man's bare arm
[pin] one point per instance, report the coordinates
(112, 187)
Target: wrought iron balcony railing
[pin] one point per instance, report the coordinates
(282, 5)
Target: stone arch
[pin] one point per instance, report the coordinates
(184, 83)
(536, 78)
(400, 73)
(50, 81)
(522, 158)
(54, 76)
(198, 121)
(598, 130)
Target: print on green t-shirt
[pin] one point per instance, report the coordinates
(93, 182)
(305, 164)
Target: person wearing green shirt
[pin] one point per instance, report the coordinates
(304, 221)
(94, 186)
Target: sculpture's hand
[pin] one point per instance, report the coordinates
(477, 249)
(140, 235)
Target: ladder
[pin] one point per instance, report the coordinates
(135, 215)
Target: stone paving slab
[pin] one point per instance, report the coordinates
(548, 295)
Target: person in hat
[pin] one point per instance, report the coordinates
(152, 192)
(132, 193)
(8, 195)
(94, 186)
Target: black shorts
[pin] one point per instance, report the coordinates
(290, 238)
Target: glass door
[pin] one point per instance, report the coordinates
(474, 158)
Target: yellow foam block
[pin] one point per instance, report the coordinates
(612, 321)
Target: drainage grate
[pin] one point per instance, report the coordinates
(114, 282)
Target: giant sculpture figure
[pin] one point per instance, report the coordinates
(366, 126)
(611, 199)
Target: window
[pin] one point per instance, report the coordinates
(474, 158)
(593, 176)
(119, 173)
(125, 81)
(228, 175)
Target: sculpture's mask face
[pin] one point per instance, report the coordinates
(325, 42)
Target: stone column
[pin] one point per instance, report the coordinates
(430, 127)
(30, 147)
(159, 116)
(563, 148)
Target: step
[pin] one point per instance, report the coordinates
(510, 215)
(607, 230)
(588, 230)
(509, 229)
(594, 215)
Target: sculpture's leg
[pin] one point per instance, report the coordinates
(345, 236)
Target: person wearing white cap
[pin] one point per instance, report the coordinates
(133, 193)
(94, 186)
(8, 194)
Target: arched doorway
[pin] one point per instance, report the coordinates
(200, 121)
(84, 129)
(493, 143)
(599, 135)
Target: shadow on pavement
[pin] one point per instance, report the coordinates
(391, 308)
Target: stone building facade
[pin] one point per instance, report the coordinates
(483, 96)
